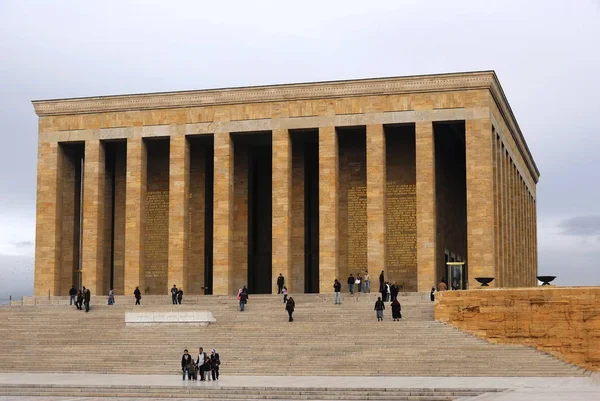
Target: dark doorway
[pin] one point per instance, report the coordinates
(259, 213)
(451, 195)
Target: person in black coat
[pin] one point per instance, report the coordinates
(187, 363)
(79, 301)
(379, 307)
(72, 293)
(87, 296)
(174, 294)
(289, 307)
(179, 296)
(243, 298)
(396, 310)
(138, 295)
(215, 362)
(337, 288)
(280, 283)
(432, 295)
(394, 290)
(351, 284)
(381, 282)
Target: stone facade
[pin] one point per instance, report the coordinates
(362, 176)
(562, 321)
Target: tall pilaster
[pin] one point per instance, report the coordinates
(376, 181)
(426, 206)
(134, 214)
(480, 202)
(328, 208)
(92, 272)
(179, 195)
(223, 214)
(48, 219)
(282, 207)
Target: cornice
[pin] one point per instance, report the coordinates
(290, 92)
(261, 94)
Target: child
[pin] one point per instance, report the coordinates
(285, 294)
(208, 368)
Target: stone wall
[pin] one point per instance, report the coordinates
(401, 208)
(564, 322)
(157, 218)
(352, 226)
(196, 221)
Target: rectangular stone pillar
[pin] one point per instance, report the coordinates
(282, 208)
(179, 195)
(328, 209)
(426, 206)
(376, 217)
(48, 220)
(134, 215)
(223, 214)
(480, 202)
(92, 272)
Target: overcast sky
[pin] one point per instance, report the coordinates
(546, 55)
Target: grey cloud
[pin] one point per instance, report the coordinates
(24, 244)
(581, 226)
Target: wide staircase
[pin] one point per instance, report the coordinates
(324, 339)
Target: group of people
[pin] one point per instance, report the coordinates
(204, 366)
(362, 282)
(176, 295)
(396, 309)
(81, 298)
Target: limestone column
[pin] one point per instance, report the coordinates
(135, 198)
(426, 205)
(480, 202)
(48, 220)
(282, 208)
(328, 209)
(223, 214)
(92, 271)
(179, 195)
(376, 182)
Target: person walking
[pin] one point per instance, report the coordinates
(72, 294)
(396, 310)
(111, 297)
(200, 363)
(388, 290)
(243, 299)
(379, 307)
(358, 282)
(79, 301)
(87, 296)
(138, 295)
(367, 286)
(381, 282)
(337, 288)
(215, 362)
(179, 296)
(280, 282)
(285, 294)
(289, 307)
(384, 292)
(186, 361)
(351, 284)
(174, 294)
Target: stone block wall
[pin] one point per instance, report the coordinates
(196, 220)
(352, 228)
(401, 208)
(564, 322)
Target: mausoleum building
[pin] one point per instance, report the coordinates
(215, 189)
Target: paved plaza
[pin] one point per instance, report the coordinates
(513, 388)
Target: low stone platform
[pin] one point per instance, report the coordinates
(151, 318)
(21, 387)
